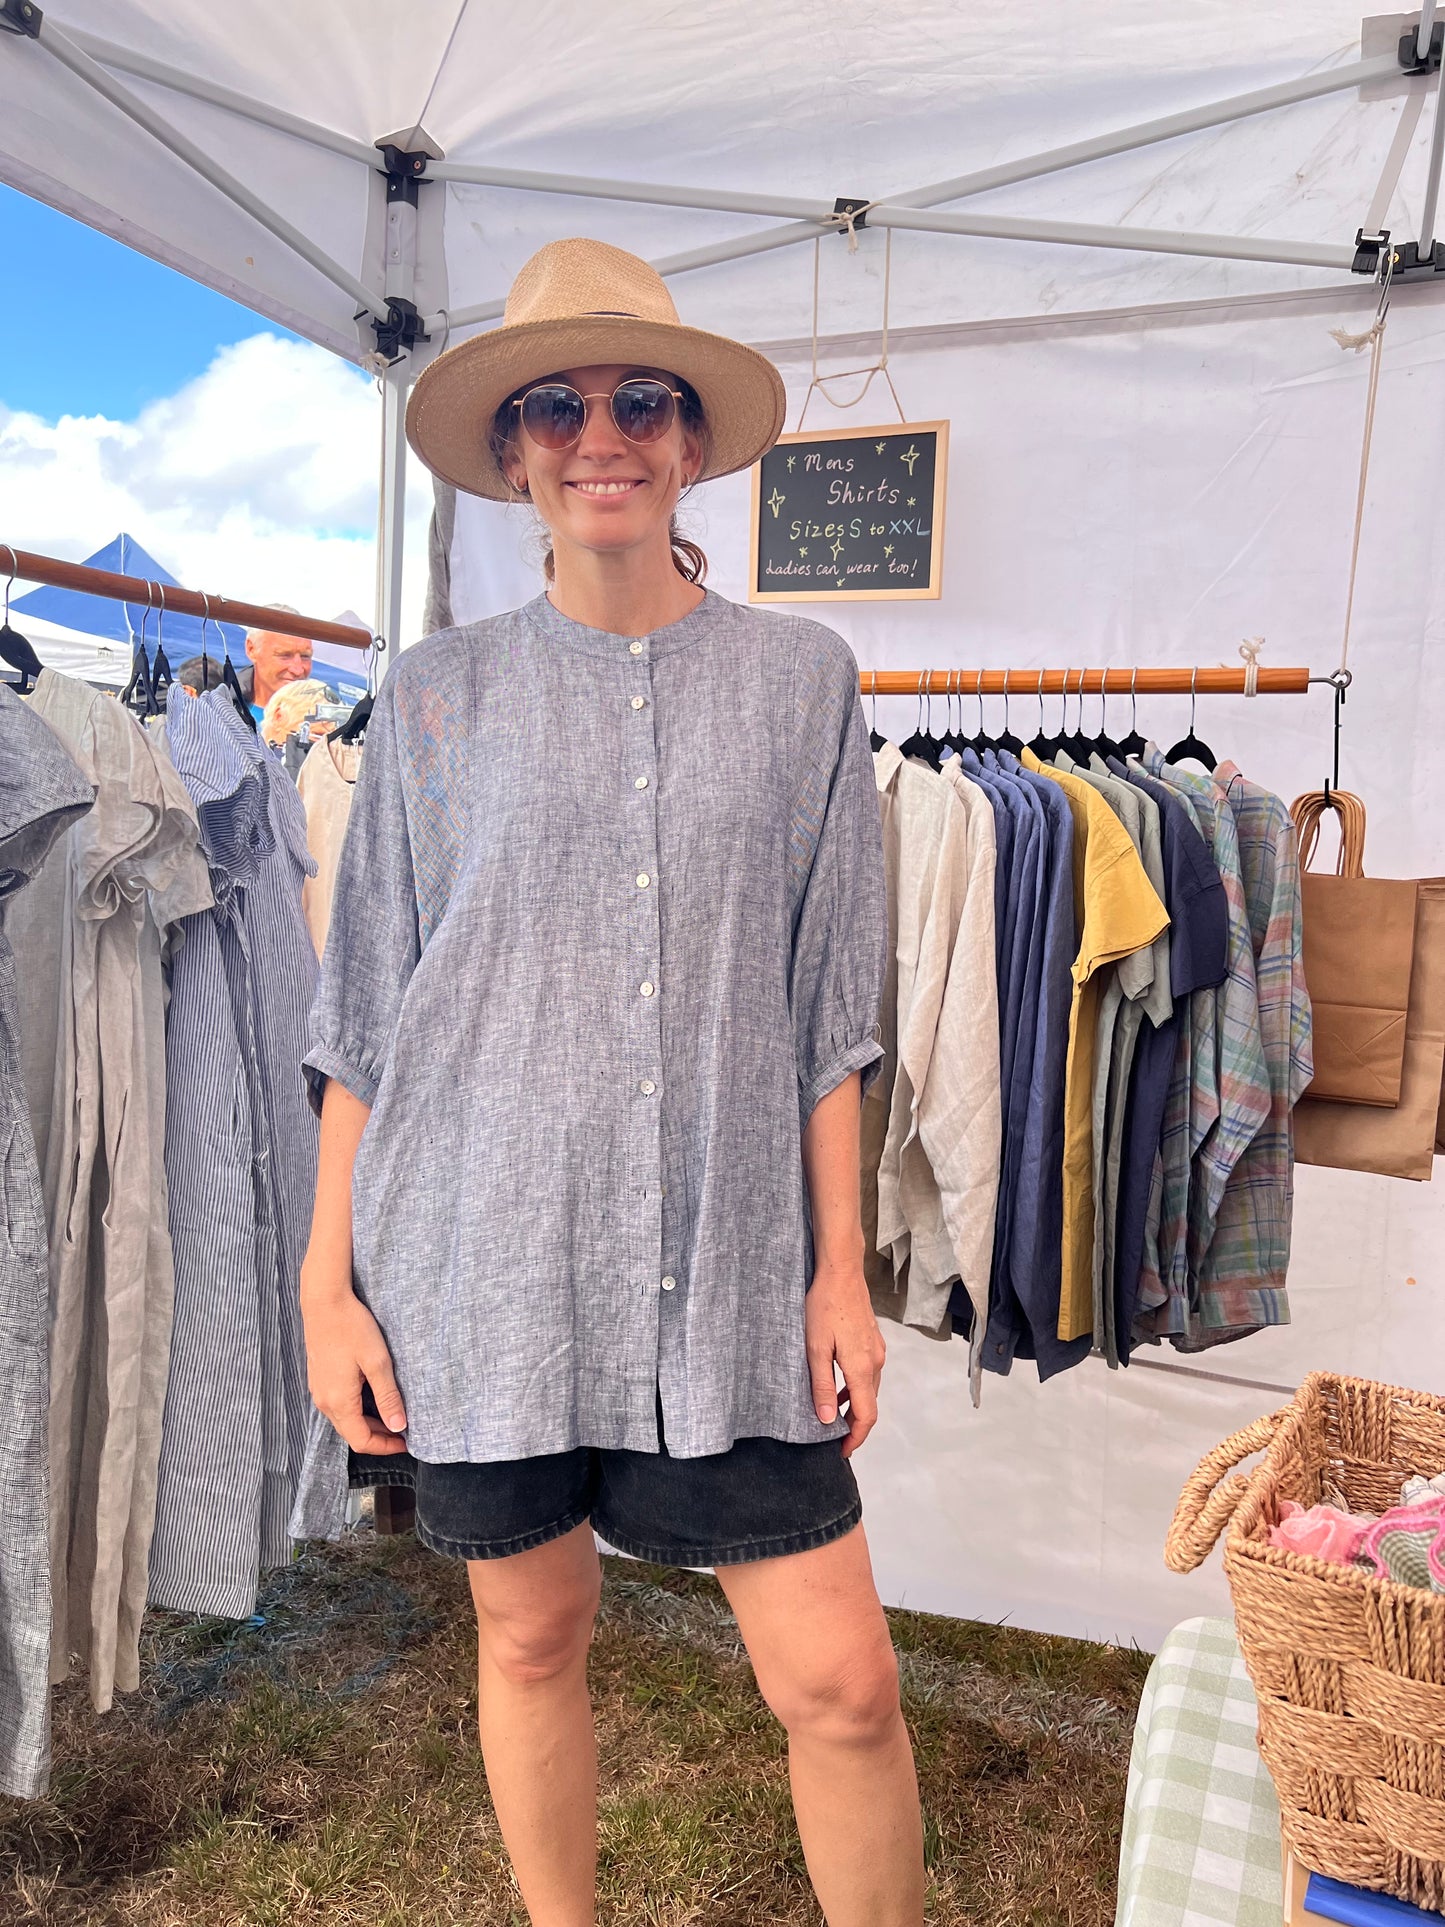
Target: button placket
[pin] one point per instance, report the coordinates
(647, 990)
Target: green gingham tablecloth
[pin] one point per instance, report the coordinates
(1201, 1840)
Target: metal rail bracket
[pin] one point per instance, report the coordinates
(1410, 58)
(21, 16)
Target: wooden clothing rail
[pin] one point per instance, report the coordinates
(1092, 682)
(167, 600)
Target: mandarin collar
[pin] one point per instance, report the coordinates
(570, 634)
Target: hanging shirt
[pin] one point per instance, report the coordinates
(325, 783)
(1024, 1315)
(1119, 914)
(1129, 994)
(241, 1163)
(92, 1004)
(1242, 1273)
(1242, 1071)
(1199, 936)
(42, 793)
(592, 999)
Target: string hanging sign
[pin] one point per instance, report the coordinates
(850, 514)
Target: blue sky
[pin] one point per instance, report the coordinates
(120, 330)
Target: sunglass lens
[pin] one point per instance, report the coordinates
(553, 416)
(643, 410)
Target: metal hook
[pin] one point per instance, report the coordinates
(1039, 692)
(978, 697)
(922, 678)
(1006, 675)
(1193, 695)
(205, 652)
(873, 691)
(1134, 699)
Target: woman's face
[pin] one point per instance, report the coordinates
(605, 492)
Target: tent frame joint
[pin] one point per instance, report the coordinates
(855, 205)
(1413, 60)
(21, 16)
(1370, 252)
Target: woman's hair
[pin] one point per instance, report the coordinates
(687, 558)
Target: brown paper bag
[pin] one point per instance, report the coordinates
(1359, 945)
(1398, 1143)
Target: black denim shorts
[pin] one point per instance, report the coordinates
(761, 1499)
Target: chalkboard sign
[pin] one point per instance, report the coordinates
(850, 515)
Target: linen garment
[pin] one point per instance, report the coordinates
(610, 920)
(241, 1163)
(938, 1177)
(42, 793)
(325, 783)
(1024, 1314)
(92, 1001)
(1119, 916)
(1242, 1273)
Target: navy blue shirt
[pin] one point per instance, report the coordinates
(1023, 1320)
(1198, 960)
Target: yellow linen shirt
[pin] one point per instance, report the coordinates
(1119, 911)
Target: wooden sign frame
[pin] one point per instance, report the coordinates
(934, 588)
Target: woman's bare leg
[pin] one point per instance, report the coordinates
(535, 1612)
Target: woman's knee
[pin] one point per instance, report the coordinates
(850, 1698)
(533, 1632)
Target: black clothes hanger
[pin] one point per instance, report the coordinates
(1133, 744)
(1013, 744)
(1044, 746)
(1104, 744)
(875, 741)
(1074, 742)
(954, 738)
(14, 649)
(229, 679)
(138, 696)
(927, 747)
(1190, 745)
(354, 728)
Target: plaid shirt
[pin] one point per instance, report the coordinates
(1219, 1098)
(1242, 1273)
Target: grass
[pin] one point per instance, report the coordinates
(318, 1767)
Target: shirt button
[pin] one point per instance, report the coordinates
(647, 1087)
(643, 879)
(635, 647)
(647, 989)
(639, 783)
(669, 1284)
(639, 702)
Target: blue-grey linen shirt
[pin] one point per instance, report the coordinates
(610, 918)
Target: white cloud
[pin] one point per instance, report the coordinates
(256, 480)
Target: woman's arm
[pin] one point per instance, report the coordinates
(344, 1344)
(839, 1314)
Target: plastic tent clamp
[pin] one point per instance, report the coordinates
(244, 151)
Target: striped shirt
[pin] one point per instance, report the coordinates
(241, 1164)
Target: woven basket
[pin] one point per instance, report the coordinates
(1349, 1670)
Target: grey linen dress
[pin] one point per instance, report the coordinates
(609, 920)
(41, 794)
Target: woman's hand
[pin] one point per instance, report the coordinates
(344, 1346)
(840, 1325)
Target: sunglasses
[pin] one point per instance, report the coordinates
(554, 413)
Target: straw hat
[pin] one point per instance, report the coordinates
(576, 303)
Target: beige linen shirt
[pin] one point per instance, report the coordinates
(938, 1173)
(326, 782)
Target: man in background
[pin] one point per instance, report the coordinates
(274, 661)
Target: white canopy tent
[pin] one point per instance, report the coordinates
(1118, 288)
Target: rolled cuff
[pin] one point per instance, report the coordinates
(865, 1054)
(319, 1064)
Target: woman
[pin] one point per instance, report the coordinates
(599, 1001)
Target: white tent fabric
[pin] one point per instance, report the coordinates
(1153, 456)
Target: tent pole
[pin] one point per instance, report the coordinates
(1125, 139)
(62, 48)
(145, 68)
(1221, 247)
(1427, 23)
(1426, 244)
(395, 384)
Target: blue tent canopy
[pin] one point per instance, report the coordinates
(121, 621)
